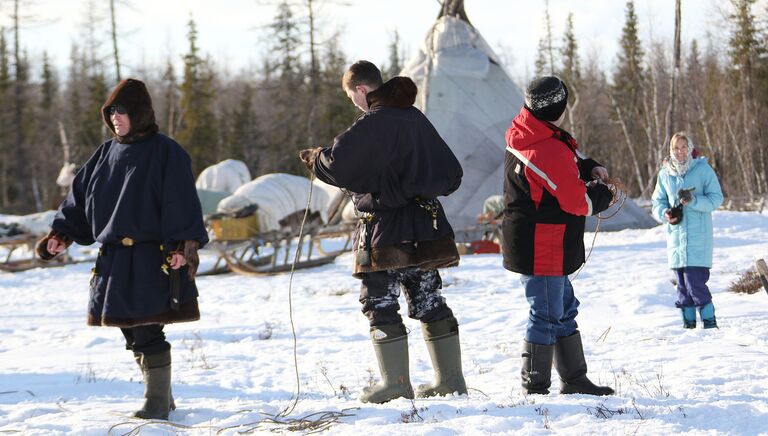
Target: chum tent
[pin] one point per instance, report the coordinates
(471, 101)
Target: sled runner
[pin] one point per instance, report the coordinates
(18, 236)
(18, 254)
(274, 251)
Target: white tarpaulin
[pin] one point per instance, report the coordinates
(225, 176)
(278, 195)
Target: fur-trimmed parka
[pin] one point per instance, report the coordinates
(136, 196)
(394, 161)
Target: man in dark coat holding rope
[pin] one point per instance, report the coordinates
(549, 189)
(396, 165)
(136, 196)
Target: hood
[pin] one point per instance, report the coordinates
(527, 130)
(397, 92)
(133, 95)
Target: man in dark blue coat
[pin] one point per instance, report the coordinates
(136, 196)
(396, 165)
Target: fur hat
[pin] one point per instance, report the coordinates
(132, 94)
(546, 98)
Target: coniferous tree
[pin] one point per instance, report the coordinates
(395, 62)
(287, 135)
(168, 118)
(197, 131)
(627, 96)
(5, 123)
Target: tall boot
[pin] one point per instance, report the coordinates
(707, 313)
(442, 339)
(689, 317)
(572, 368)
(156, 369)
(536, 371)
(137, 357)
(390, 342)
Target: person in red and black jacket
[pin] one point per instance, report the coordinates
(549, 189)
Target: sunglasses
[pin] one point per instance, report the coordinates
(117, 108)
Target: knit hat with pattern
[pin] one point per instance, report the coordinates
(546, 98)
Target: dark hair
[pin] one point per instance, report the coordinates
(362, 73)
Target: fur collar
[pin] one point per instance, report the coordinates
(397, 92)
(133, 95)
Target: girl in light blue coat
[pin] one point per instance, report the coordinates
(687, 191)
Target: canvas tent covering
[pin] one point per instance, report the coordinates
(279, 195)
(471, 101)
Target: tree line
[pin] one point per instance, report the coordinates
(292, 100)
(717, 92)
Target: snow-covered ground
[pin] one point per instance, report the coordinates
(235, 367)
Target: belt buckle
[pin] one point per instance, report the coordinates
(126, 242)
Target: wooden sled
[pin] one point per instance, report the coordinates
(27, 242)
(273, 252)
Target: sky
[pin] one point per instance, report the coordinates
(233, 32)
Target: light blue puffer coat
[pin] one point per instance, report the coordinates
(690, 242)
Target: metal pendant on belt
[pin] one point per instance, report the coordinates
(432, 207)
(363, 244)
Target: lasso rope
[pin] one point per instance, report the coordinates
(312, 423)
(619, 195)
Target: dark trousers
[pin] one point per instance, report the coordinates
(380, 291)
(146, 339)
(692, 287)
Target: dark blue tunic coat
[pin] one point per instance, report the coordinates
(144, 191)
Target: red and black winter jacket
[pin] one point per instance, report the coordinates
(546, 198)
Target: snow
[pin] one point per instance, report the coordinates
(235, 367)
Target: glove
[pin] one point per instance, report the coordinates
(685, 195)
(193, 260)
(308, 156)
(41, 248)
(601, 197)
(674, 215)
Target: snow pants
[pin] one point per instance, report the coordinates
(553, 308)
(380, 291)
(146, 339)
(692, 287)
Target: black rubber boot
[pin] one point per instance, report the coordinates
(156, 369)
(572, 368)
(442, 339)
(390, 342)
(537, 368)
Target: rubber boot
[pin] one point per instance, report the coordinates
(707, 313)
(689, 317)
(156, 369)
(762, 270)
(442, 339)
(572, 368)
(137, 357)
(390, 343)
(536, 371)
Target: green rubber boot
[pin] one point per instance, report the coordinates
(442, 339)
(156, 369)
(390, 342)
